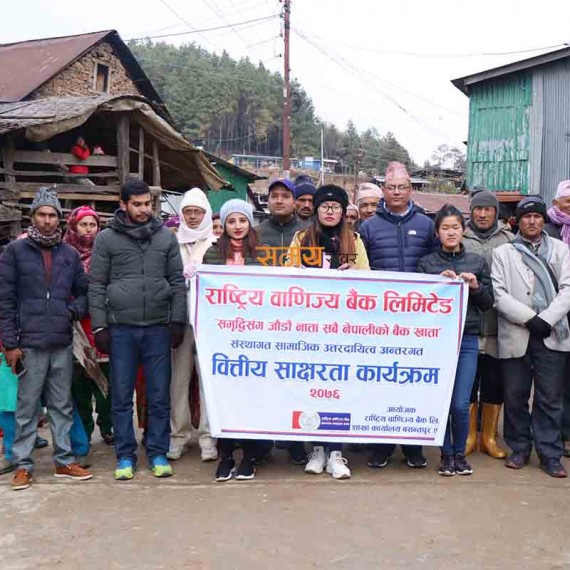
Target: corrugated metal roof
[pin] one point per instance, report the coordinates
(465, 83)
(15, 116)
(24, 66)
(433, 202)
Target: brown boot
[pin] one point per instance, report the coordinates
(489, 422)
(471, 444)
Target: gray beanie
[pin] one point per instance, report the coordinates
(46, 197)
(236, 206)
(482, 198)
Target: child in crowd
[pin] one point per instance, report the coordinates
(451, 260)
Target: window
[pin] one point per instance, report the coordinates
(102, 78)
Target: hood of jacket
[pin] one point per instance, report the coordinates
(139, 232)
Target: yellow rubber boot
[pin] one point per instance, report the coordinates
(489, 422)
(471, 444)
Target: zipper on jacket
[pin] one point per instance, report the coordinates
(401, 247)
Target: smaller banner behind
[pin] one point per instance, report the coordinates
(322, 355)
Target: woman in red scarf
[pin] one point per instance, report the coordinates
(82, 228)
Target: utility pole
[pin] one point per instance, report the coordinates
(286, 91)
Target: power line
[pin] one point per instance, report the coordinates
(364, 78)
(183, 20)
(222, 75)
(212, 29)
(444, 55)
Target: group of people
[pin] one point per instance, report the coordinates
(125, 289)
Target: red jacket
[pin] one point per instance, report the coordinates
(82, 153)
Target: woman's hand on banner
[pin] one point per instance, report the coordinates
(471, 280)
(190, 271)
(449, 273)
(344, 267)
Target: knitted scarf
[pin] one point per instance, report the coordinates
(42, 240)
(561, 219)
(483, 234)
(544, 288)
(83, 244)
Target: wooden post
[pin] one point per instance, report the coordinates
(155, 165)
(141, 152)
(8, 159)
(123, 146)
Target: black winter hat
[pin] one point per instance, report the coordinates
(330, 193)
(531, 204)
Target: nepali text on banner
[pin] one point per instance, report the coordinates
(323, 355)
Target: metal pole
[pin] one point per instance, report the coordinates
(286, 91)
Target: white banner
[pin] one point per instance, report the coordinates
(323, 355)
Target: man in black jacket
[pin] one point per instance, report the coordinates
(43, 288)
(278, 230)
(137, 301)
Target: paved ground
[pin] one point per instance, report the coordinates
(391, 518)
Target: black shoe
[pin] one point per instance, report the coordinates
(461, 465)
(108, 438)
(263, 456)
(377, 460)
(447, 466)
(246, 470)
(226, 468)
(41, 442)
(416, 461)
(554, 468)
(517, 460)
(297, 453)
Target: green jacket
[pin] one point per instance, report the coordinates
(274, 234)
(136, 275)
(484, 247)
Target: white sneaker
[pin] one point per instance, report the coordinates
(317, 460)
(209, 454)
(336, 466)
(176, 450)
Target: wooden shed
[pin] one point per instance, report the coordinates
(36, 138)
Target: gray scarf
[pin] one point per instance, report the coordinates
(544, 288)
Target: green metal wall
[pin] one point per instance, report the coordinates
(498, 147)
(239, 184)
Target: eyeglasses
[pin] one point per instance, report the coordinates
(394, 188)
(335, 208)
(193, 213)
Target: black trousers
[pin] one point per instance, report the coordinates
(488, 385)
(566, 412)
(546, 368)
(408, 450)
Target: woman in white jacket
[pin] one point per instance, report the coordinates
(195, 237)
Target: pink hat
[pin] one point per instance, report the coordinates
(563, 189)
(396, 170)
(354, 209)
(368, 190)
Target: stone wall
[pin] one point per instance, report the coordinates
(78, 78)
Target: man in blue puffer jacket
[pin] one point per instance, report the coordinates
(43, 289)
(396, 238)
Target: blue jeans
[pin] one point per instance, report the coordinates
(149, 346)
(457, 428)
(79, 442)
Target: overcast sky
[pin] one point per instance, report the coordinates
(382, 64)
